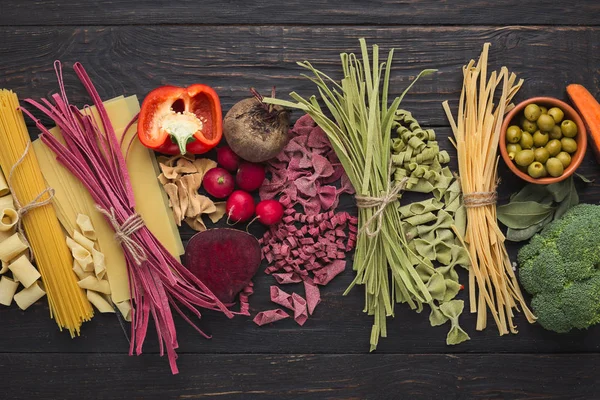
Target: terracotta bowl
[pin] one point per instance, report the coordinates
(570, 113)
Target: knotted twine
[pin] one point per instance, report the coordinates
(35, 203)
(479, 199)
(389, 196)
(124, 231)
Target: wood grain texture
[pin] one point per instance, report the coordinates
(314, 12)
(134, 60)
(306, 376)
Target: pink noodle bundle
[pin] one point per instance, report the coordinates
(158, 282)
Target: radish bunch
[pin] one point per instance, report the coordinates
(240, 206)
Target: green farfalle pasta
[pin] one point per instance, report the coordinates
(452, 310)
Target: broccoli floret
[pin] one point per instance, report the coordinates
(560, 267)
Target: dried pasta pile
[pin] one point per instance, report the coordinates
(68, 304)
(476, 133)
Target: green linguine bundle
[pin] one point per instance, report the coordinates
(360, 134)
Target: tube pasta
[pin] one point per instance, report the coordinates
(83, 241)
(11, 247)
(99, 302)
(99, 265)
(7, 201)
(81, 254)
(8, 288)
(125, 309)
(24, 271)
(93, 283)
(81, 274)
(85, 225)
(8, 219)
(3, 185)
(4, 268)
(27, 297)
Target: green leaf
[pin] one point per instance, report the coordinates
(523, 214)
(560, 190)
(520, 235)
(583, 178)
(572, 199)
(530, 192)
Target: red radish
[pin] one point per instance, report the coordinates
(250, 176)
(240, 206)
(218, 183)
(269, 212)
(228, 159)
(224, 259)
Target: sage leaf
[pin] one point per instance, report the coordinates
(530, 193)
(523, 214)
(520, 235)
(572, 199)
(561, 190)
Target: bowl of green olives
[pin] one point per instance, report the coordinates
(543, 140)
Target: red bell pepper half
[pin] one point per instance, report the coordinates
(176, 120)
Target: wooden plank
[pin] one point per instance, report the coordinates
(306, 376)
(135, 59)
(338, 326)
(396, 12)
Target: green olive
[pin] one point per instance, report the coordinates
(564, 158)
(513, 134)
(556, 132)
(557, 114)
(511, 155)
(522, 169)
(541, 154)
(569, 128)
(568, 144)
(526, 141)
(524, 157)
(544, 110)
(513, 148)
(540, 139)
(532, 112)
(545, 123)
(555, 167)
(536, 169)
(554, 147)
(529, 126)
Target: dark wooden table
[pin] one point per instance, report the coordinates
(130, 47)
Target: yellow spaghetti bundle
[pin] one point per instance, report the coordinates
(68, 303)
(477, 132)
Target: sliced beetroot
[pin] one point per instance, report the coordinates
(224, 259)
(218, 183)
(250, 176)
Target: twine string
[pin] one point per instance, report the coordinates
(380, 203)
(479, 199)
(124, 232)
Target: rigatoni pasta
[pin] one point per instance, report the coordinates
(27, 297)
(24, 271)
(8, 288)
(12, 246)
(99, 302)
(8, 219)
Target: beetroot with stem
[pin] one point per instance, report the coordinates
(227, 159)
(224, 259)
(269, 212)
(239, 206)
(218, 183)
(250, 176)
(256, 131)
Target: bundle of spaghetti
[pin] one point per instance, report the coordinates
(476, 133)
(158, 281)
(68, 304)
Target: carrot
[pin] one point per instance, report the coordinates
(589, 109)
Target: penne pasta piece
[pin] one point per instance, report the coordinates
(81, 254)
(99, 302)
(27, 297)
(92, 283)
(11, 247)
(85, 225)
(4, 190)
(7, 201)
(24, 271)
(4, 268)
(81, 274)
(8, 219)
(83, 241)
(99, 265)
(8, 288)
(125, 309)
